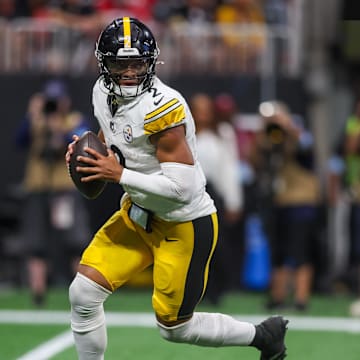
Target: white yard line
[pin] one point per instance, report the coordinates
(316, 323)
(50, 348)
(63, 341)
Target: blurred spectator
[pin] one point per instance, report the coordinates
(11, 9)
(189, 11)
(275, 11)
(54, 222)
(294, 192)
(220, 168)
(112, 9)
(351, 176)
(38, 9)
(81, 17)
(276, 14)
(250, 42)
(195, 17)
(77, 14)
(59, 37)
(352, 154)
(338, 215)
(240, 11)
(225, 109)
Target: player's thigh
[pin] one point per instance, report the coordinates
(117, 251)
(181, 266)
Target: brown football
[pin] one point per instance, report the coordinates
(92, 189)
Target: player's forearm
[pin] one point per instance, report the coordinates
(176, 181)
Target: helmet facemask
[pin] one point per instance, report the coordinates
(128, 77)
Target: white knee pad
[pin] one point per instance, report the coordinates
(86, 298)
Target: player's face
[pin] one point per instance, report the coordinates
(127, 71)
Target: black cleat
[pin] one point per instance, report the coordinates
(270, 338)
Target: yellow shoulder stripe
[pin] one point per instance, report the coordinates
(172, 118)
(161, 109)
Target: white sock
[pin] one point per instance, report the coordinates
(210, 329)
(91, 345)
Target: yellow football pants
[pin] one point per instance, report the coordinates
(180, 253)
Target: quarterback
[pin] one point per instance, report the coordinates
(166, 218)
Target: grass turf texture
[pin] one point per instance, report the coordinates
(145, 343)
(139, 300)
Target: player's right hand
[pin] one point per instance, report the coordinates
(70, 149)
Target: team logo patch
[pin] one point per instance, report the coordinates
(128, 136)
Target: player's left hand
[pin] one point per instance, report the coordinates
(106, 168)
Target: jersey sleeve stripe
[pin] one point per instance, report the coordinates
(162, 108)
(165, 121)
(163, 113)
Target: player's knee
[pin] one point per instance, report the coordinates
(177, 333)
(86, 299)
(79, 294)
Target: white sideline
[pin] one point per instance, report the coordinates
(50, 348)
(64, 340)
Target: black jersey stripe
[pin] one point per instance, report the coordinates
(204, 245)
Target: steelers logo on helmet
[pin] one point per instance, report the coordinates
(127, 53)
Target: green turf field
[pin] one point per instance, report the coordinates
(324, 332)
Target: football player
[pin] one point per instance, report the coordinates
(166, 218)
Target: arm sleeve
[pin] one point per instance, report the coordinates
(176, 182)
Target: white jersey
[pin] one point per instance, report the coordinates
(133, 122)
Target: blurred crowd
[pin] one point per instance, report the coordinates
(54, 222)
(268, 196)
(88, 13)
(282, 227)
(39, 33)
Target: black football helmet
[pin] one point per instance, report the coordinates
(127, 42)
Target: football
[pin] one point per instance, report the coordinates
(92, 189)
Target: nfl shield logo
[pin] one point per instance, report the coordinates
(128, 133)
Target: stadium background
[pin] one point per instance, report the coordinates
(318, 78)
